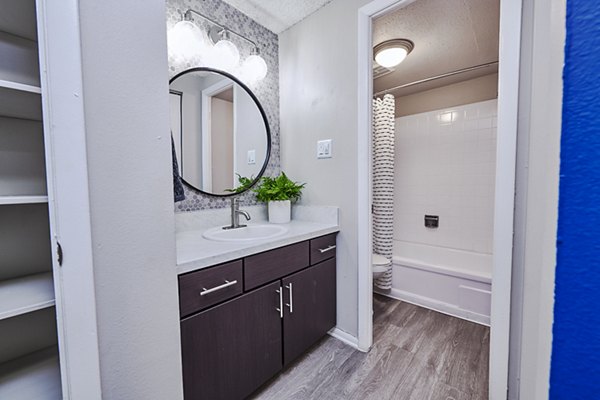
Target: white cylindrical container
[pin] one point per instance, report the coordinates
(280, 212)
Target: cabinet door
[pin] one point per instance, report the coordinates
(310, 308)
(230, 350)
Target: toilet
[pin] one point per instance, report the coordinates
(380, 264)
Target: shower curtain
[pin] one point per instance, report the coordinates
(383, 183)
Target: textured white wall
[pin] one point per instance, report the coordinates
(318, 73)
(125, 87)
(445, 165)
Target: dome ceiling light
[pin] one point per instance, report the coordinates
(390, 53)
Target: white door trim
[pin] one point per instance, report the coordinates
(68, 197)
(510, 34)
(236, 94)
(206, 143)
(364, 192)
(504, 202)
(536, 218)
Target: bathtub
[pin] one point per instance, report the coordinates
(450, 281)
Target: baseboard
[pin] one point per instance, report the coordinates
(345, 337)
(444, 308)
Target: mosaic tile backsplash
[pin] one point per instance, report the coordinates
(266, 90)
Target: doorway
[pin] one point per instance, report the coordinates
(510, 22)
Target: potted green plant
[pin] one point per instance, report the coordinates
(279, 193)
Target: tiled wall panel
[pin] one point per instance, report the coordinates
(445, 165)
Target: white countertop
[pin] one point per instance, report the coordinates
(194, 252)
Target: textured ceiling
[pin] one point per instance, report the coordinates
(448, 35)
(277, 15)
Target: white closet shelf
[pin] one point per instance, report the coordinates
(27, 294)
(29, 199)
(20, 87)
(34, 376)
(21, 104)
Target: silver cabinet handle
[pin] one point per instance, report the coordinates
(206, 291)
(325, 250)
(280, 309)
(291, 303)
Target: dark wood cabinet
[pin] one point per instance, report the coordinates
(271, 265)
(288, 303)
(310, 308)
(232, 349)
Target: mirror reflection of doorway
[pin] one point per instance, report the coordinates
(221, 128)
(219, 131)
(175, 104)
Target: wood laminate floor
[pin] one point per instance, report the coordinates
(417, 354)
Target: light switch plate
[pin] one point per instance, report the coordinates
(251, 157)
(324, 149)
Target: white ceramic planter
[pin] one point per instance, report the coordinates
(280, 212)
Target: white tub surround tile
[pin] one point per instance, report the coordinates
(445, 165)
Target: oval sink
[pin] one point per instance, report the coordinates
(250, 232)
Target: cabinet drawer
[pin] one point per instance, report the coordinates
(201, 289)
(322, 248)
(274, 264)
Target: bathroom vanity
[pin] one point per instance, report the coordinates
(253, 296)
(243, 320)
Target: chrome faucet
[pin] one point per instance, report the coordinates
(235, 215)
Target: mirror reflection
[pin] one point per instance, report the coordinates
(220, 132)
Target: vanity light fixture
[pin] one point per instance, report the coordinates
(187, 40)
(390, 53)
(214, 48)
(254, 67)
(226, 54)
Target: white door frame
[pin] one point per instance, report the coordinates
(508, 94)
(179, 136)
(236, 94)
(59, 36)
(207, 95)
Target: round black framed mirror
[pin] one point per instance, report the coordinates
(220, 130)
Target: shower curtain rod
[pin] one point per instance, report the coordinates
(433, 78)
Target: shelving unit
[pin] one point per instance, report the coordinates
(20, 87)
(33, 376)
(18, 103)
(26, 294)
(12, 200)
(29, 357)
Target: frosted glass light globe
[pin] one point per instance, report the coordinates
(391, 57)
(254, 68)
(226, 55)
(187, 42)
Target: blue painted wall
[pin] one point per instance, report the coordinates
(575, 372)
